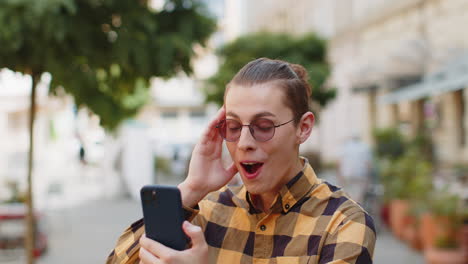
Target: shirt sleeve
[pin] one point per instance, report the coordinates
(190, 213)
(127, 247)
(353, 241)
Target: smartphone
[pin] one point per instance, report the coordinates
(163, 215)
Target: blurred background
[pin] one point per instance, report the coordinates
(122, 90)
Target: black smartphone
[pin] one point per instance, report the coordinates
(163, 215)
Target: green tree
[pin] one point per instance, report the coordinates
(103, 52)
(308, 50)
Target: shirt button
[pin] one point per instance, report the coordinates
(286, 206)
(263, 227)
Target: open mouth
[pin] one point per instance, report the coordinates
(251, 167)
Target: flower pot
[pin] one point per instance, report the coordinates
(427, 230)
(445, 256)
(433, 227)
(412, 237)
(399, 216)
(463, 237)
(385, 214)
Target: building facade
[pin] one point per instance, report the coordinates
(407, 60)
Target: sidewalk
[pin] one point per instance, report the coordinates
(88, 233)
(390, 250)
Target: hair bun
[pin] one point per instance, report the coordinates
(301, 72)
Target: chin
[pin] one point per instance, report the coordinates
(254, 189)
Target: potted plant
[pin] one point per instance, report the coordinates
(419, 188)
(464, 232)
(421, 218)
(390, 145)
(445, 246)
(405, 179)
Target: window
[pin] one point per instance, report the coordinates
(169, 114)
(197, 114)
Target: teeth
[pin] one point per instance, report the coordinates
(249, 163)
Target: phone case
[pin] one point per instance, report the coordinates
(163, 215)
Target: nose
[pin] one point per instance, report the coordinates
(246, 141)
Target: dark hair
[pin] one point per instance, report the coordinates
(292, 78)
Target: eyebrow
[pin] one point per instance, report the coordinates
(258, 115)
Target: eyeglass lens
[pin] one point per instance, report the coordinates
(261, 129)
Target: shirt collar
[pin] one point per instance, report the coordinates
(291, 193)
(298, 187)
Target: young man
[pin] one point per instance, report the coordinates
(282, 213)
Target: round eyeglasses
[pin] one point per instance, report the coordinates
(261, 129)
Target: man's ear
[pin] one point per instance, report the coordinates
(305, 126)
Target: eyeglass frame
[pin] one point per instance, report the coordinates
(218, 126)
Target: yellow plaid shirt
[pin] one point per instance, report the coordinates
(311, 221)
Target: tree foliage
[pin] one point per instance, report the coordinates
(103, 52)
(308, 50)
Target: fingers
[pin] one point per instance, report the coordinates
(146, 257)
(155, 249)
(195, 233)
(211, 131)
(231, 170)
(221, 114)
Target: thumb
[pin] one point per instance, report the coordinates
(195, 233)
(231, 170)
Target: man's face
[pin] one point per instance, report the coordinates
(264, 166)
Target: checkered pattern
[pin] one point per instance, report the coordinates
(311, 221)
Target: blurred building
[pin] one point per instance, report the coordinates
(58, 127)
(407, 61)
(298, 17)
(177, 114)
(14, 126)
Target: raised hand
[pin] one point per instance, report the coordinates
(206, 170)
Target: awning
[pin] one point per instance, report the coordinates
(453, 76)
(365, 88)
(457, 78)
(366, 77)
(408, 93)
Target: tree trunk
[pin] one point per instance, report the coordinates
(30, 221)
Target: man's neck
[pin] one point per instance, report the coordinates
(264, 201)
